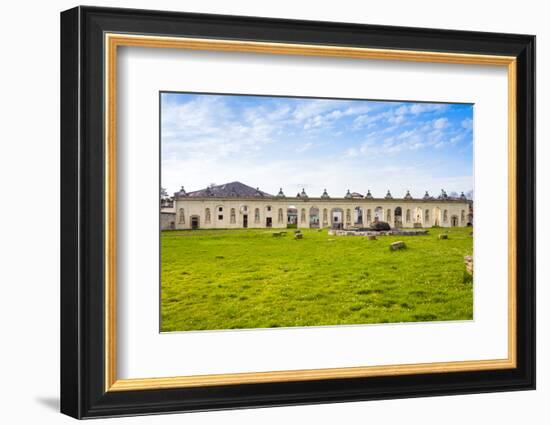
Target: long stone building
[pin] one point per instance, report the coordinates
(236, 205)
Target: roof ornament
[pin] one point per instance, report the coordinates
(303, 194)
(325, 195)
(443, 195)
(258, 192)
(426, 195)
(462, 196)
(348, 195)
(281, 194)
(368, 195)
(408, 195)
(388, 195)
(209, 191)
(182, 192)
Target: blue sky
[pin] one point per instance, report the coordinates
(295, 143)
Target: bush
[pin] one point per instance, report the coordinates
(380, 225)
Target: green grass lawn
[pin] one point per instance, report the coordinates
(234, 279)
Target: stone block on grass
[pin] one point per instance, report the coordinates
(397, 245)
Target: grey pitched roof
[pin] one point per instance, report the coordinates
(233, 189)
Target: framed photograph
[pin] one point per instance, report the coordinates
(261, 212)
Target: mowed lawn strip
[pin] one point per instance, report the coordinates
(239, 279)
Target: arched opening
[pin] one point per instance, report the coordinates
(358, 216)
(268, 216)
(378, 214)
(292, 217)
(398, 217)
(454, 221)
(195, 222)
(314, 217)
(337, 218)
(244, 212)
(417, 217)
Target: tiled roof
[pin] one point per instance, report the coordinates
(227, 190)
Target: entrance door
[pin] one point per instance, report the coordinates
(454, 221)
(195, 223)
(268, 221)
(245, 221)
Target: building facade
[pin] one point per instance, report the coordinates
(236, 206)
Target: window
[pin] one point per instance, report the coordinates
(207, 215)
(220, 209)
(220, 217)
(182, 216)
(444, 216)
(257, 215)
(232, 219)
(269, 208)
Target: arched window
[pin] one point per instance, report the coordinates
(408, 216)
(462, 216)
(207, 215)
(303, 215)
(182, 216)
(445, 216)
(427, 216)
(388, 215)
(257, 215)
(280, 215)
(233, 220)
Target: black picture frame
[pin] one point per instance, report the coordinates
(82, 212)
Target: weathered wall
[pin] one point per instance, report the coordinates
(167, 220)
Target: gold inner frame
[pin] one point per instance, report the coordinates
(113, 41)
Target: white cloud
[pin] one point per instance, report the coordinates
(304, 147)
(440, 123)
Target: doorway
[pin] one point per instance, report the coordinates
(268, 222)
(195, 222)
(245, 221)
